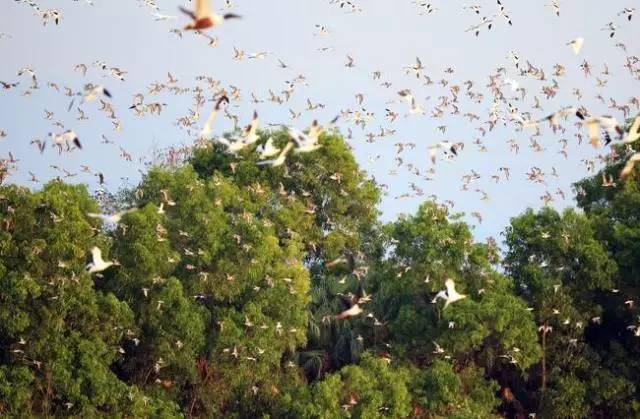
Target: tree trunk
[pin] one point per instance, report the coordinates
(544, 360)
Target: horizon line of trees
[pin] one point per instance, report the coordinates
(227, 278)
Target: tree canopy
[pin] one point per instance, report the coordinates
(229, 278)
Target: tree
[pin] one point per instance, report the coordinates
(491, 329)
(369, 390)
(59, 334)
(566, 272)
(339, 202)
(227, 277)
(219, 291)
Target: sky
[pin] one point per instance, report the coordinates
(385, 36)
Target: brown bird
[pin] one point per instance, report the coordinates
(204, 17)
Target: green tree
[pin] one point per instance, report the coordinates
(337, 219)
(371, 389)
(490, 330)
(566, 273)
(220, 292)
(59, 334)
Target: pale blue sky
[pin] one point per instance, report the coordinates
(386, 36)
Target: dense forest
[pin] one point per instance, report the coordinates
(230, 282)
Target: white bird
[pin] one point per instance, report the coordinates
(628, 167)
(353, 302)
(65, 137)
(307, 142)
(605, 122)
(634, 132)
(280, 159)
(251, 131)
(92, 92)
(160, 17)
(450, 295)
(98, 264)
(267, 149)
(576, 45)
(206, 130)
(234, 144)
(513, 83)
(111, 218)
(441, 294)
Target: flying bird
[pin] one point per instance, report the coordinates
(204, 18)
(449, 294)
(629, 166)
(267, 149)
(280, 159)
(576, 45)
(111, 218)
(97, 264)
(206, 130)
(634, 132)
(353, 303)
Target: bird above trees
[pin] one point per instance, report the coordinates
(204, 17)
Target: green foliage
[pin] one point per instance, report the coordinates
(443, 392)
(491, 321)
(59, 335)
(228, 277)
(369, 390)
(567, 266)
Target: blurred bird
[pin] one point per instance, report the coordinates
(449, 294)
(576, 45)
(204, 18)
(97, 264)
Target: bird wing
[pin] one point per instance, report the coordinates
(286, 150)
(124, 212)
(188, 13)
(206, 130)
(270, 149)
(254, 124)
(96, 254)
(628, 167)
(95, 215)
(354, 310)
(269, 144)
(297, 136)
(433, 151)
(576, 45)
(451, 287)
(314, 131)
(634, 132)
(280, 159)
(593, 126)
(441, 294)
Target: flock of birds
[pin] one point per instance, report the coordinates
(504, 99)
